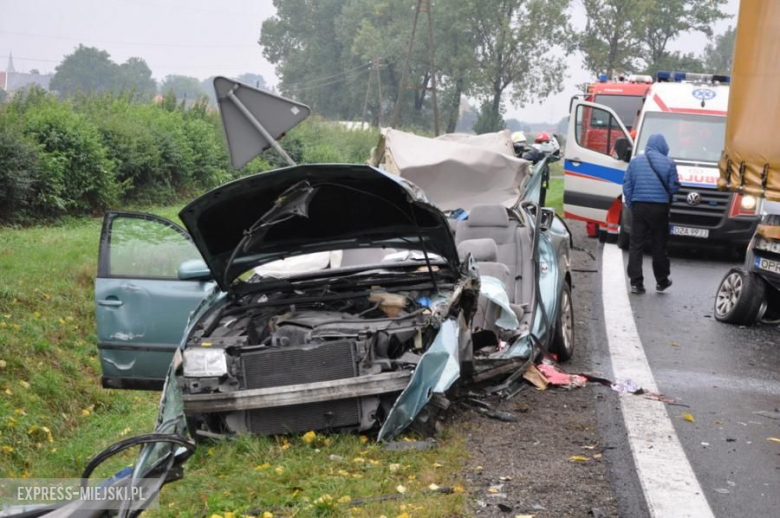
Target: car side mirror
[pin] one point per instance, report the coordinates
(623, 149)
(548, 215)
(194, 270)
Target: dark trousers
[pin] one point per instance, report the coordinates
(649, 220)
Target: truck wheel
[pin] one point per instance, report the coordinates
(563, 339)
(612, 238)
(740, 297)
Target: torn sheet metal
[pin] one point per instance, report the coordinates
(495, 291)
(438, 369)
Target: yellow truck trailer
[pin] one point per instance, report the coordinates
(750, 163)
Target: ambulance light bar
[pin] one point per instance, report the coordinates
(692, 77)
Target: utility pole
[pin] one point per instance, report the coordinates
(376, 69)
(422, 6)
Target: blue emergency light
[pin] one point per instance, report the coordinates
(678, 77)
(602, 78)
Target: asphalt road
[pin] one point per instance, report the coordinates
(720, 374)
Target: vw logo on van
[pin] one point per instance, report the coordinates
(704, 94)
(693, 199)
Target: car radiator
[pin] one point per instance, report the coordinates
(311, 363)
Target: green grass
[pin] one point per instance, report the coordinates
(555, 195)
(54, 415)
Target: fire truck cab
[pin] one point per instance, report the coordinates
(690, 111)
(625, 96)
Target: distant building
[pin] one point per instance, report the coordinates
(11, 80)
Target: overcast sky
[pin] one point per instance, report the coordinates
(200, 38)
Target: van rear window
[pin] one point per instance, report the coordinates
(625, 106)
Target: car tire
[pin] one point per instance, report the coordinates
(562, 344)
(602, 235)
(740, 298)
(612, 238)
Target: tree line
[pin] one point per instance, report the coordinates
(496, 51)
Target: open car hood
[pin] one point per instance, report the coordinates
(312, 208)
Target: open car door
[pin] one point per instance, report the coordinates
(150, 277)
(593, 172)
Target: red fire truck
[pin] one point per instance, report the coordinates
(624, 95)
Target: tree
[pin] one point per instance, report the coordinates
(251, 79)
(184, 87)
(3, 95)
(136, 76)
(488, 120)
(518, 49)
(87, 70)
(719, 55)
(612, 40)
(676, 61)
(665, 20)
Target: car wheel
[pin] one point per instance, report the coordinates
(612, 238)
(741, 297)
(602, 235)
(563, 339)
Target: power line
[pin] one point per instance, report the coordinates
(315, 87)
(170, 65)
(133, 43)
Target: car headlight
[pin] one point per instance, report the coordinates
(748, 202)
(204, 362)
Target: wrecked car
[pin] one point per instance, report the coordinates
(334, 296)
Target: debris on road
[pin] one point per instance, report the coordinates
(556, 376)
(535, 378)
(688, 417)
(627, 387)
(769, 415)
(773, 439)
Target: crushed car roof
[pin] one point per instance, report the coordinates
(457, 171)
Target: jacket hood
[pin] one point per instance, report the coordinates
(657, 142)
(312, 208)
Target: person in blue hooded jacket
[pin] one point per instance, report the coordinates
(650, 181)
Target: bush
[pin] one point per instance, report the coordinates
(90, 153)
(19, 176)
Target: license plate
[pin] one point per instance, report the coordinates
(768, 265)
(702, 233)
(769, 246)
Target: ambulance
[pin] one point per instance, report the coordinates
(690, 111)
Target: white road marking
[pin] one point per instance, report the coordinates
(668, 481)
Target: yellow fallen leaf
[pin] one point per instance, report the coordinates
(7, 449)
(24, 384)
(85, 412)
(403, 515)
(343, 473)
(579, 458)
(3, 364)
(437, 465)
(525, 515)
(267, 514)
(358, 460)
(773, 439)
(433, 487)
(363, 439)
(229, 515)
(263, 467)
(458, 489)
(394, 467)
(597, 456)
(493, 490)
(279, 470)
(401, 489)
(216, 516)
(675, 344)
(593, 447)
(344, 499)
(688, 417)
(309, 437)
